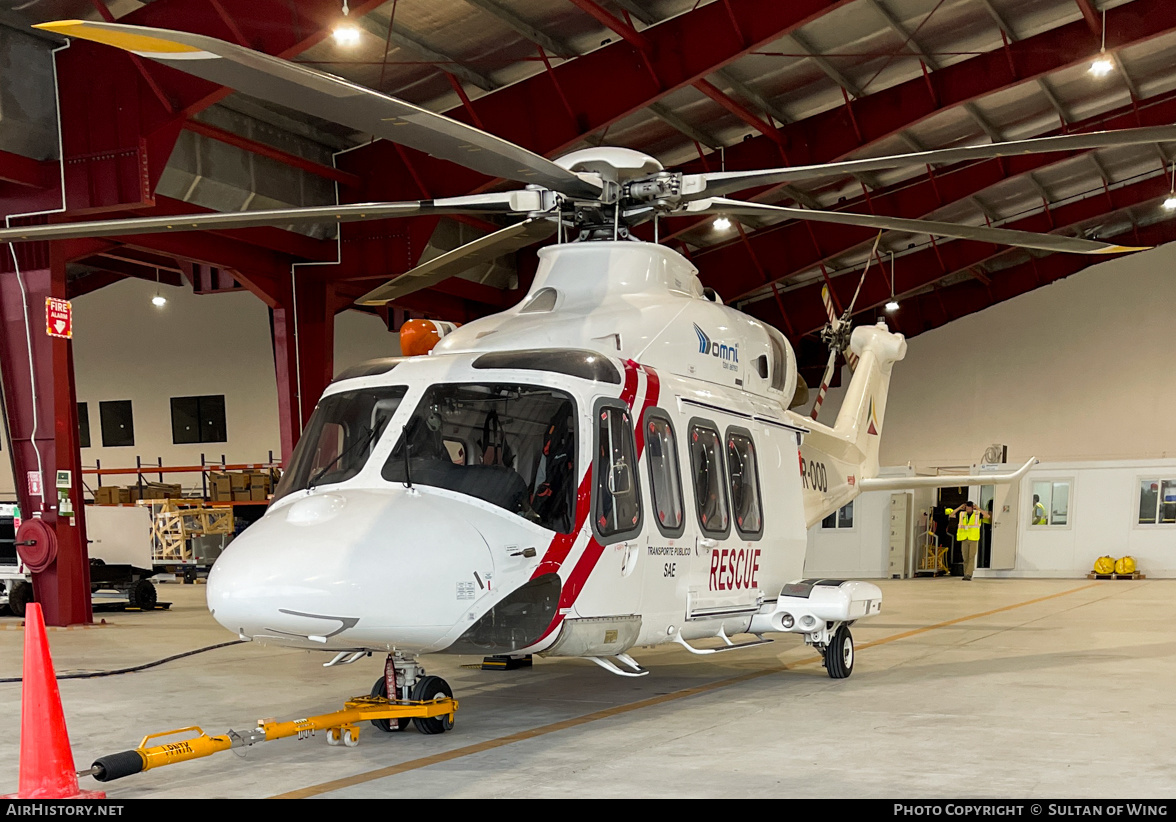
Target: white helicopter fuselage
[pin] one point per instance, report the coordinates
(425, 511)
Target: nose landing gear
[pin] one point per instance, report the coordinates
(406, 679)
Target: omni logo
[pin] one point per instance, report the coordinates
(727, 354)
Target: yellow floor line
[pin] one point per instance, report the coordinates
(491, 744)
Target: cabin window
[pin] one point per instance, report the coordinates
(339, 438)
(710, 485)
(510, 445)
(745, 491)
(841, 518)
(1157, 501)
(1050, 503)
(665, 476)
(616, 508)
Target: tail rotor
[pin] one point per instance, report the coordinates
(836, 333)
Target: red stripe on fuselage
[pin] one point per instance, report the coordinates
(561, 544)
(593, 550)
(652, 389)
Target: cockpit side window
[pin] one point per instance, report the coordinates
(339, 437)
(507, 444)
(616, 503)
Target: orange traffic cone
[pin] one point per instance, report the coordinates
(46, 762)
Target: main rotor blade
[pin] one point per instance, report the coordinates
(1000, 236)
(462, 258)
(332, 98)
(511, 202)
(724, 182)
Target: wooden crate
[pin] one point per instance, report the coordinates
(175, 521)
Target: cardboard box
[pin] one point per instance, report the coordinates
(258, 494)
(240, 481)
(220, 487)
(259, 479)
(154, 490)
(110, 495)
(241, 495)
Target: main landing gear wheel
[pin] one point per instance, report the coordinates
(427, 689)
(387, 725)
(839, 654)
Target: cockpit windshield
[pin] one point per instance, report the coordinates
(339, 438)
(510, 445)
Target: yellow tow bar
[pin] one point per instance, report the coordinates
(342, 728)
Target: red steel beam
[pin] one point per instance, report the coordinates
(25, 171)
(264, 150)
(792, 247)
(834, 134)
(705, 86)
(630, 34)
(806, 311)
(139, 271)
(673, 54)
(738, 109)
(607, 85)
(114, 161)
(1090, 15)
(90, 282)
(43, 428)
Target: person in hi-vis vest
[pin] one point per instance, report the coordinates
(1039, 517)
(968, 532)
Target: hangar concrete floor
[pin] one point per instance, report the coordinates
(983, 689)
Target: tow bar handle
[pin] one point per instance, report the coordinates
(116, 766)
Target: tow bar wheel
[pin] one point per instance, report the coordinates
(346, 735)
(839, 654)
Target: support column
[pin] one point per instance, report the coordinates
(304, 348)
(41, 408)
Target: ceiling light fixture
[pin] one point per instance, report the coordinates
(1102, 64)
(892, 306)
(721, 223)
(1170, 200)
(159, 301)
(346, 34)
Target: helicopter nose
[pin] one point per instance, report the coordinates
(352, 570)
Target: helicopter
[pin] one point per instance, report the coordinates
(616, 462)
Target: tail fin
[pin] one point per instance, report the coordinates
(859, 422)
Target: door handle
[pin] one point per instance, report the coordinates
(707, 542)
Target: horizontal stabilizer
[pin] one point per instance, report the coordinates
(943, 481)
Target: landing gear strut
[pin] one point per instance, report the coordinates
(406, 679)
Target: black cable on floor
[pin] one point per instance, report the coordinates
(96, 674)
